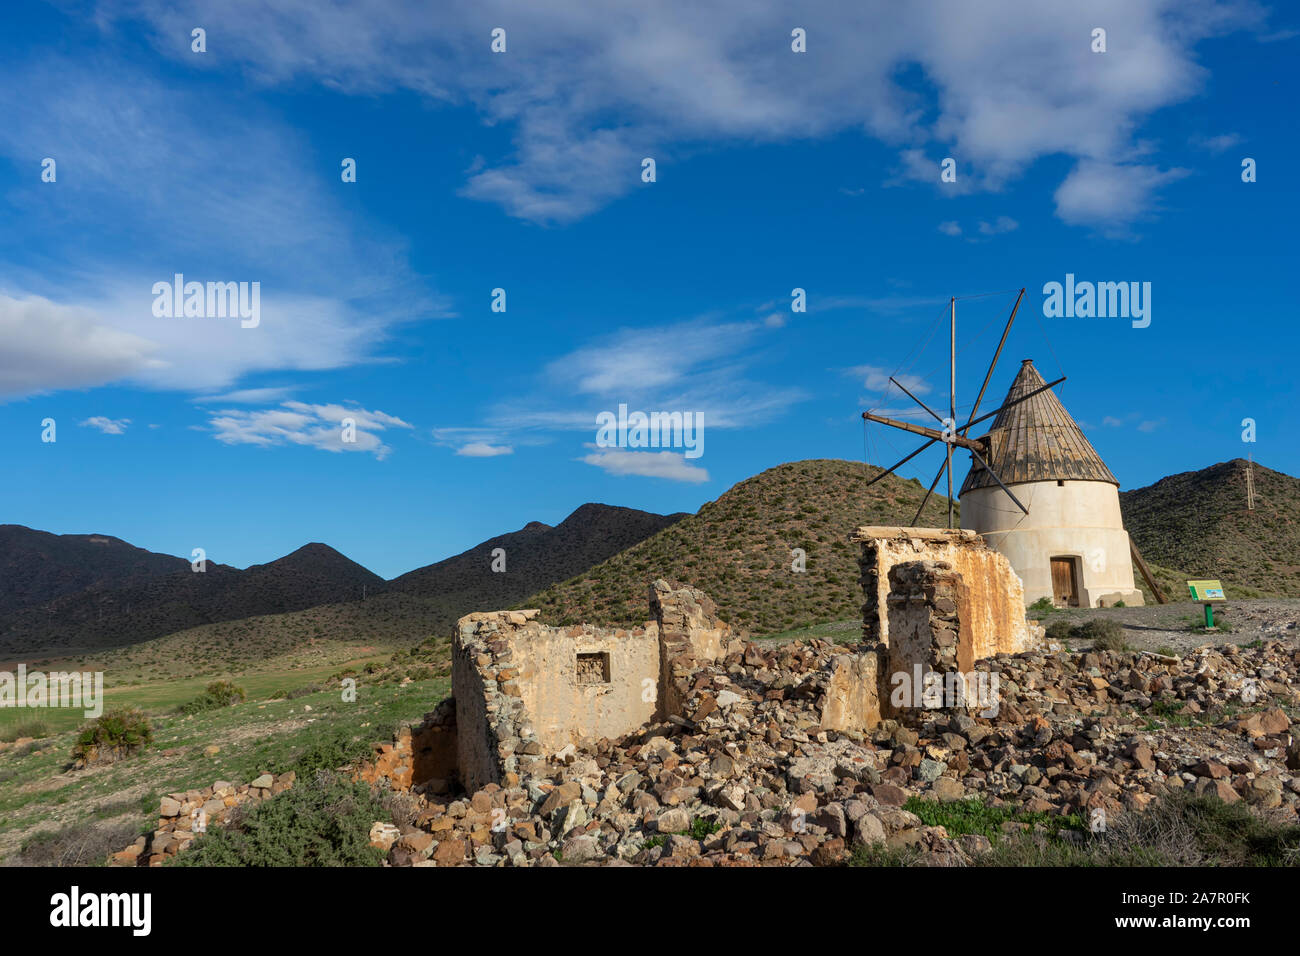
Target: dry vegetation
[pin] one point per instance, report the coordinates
(738, 549)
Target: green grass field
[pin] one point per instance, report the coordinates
(43, 801)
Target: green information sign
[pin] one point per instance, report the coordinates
(1207, 592)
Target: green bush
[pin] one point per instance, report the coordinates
(1105, 635)
(341, 749)
(28, 728)
(1042, 606)
(117, 733)
(1179, 829)
(1060, 631)
(220, 693)
(702, 827)
(324, 820)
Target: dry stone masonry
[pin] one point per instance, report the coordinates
(183, 817)
(679, 743)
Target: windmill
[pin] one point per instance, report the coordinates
(953, 435)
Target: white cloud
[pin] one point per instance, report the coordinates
(50, 346)
(479, 449)
(679, 75)
(646, 358)
(1000, 225)
(950, 228)
(246, 396)
(298, 423)
(109, 426)
(146, 163)
(697, 366)
(876, 379)
(1216, 144)
(1110, 196)
(663, 464)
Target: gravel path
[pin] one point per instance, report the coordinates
(1170, 625)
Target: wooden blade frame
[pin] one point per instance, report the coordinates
(958, 435)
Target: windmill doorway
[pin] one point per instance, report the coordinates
(1065, 582)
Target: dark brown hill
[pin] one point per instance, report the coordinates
(536, 556)
(1198, 522)
(739, 550)
(128, 604)
(36, 566)
(104, 616)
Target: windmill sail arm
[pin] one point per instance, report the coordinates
(931, 433)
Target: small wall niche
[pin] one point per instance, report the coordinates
(593, 668)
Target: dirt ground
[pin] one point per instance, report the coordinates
(1171, 625)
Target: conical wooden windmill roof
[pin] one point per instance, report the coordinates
(1036, 440)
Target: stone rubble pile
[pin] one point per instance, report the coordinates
(748, 777)
(745, 775)
(182, 817)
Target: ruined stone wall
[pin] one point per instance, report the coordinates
(929, 626)
(584, 682)
(495, 741)
(852, 697)
(524, 690)
(996, 621)
(690, 634)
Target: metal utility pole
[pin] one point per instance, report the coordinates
(1250, 483)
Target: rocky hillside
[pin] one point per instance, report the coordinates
(536, 556)
(1198, 522)
(106, 616)
(66, 602)
(740, 549)
(36, 566)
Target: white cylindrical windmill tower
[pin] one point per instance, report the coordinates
(1071, 547)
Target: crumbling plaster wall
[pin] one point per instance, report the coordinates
(522, 695)
(996, 621)
(852, 699)
(565, 710)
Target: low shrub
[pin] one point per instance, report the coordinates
(339, 749)
(1059, 631)
(1178, 829)
(27, 728)
(220, 693)
(324, 820)
(116, 734)
(85, 843)
(1042, 606)
(1104, 634)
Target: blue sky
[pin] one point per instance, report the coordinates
(522, 170)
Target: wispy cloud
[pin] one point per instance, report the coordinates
(247, 396)
(169, 158)
(329, 427)
(1216, 144)
(698, 366)
(876, 379)
(1110, 197)
(680, 75)
(664, 464)
(998, 226)
(109, 426)
(479, 449)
